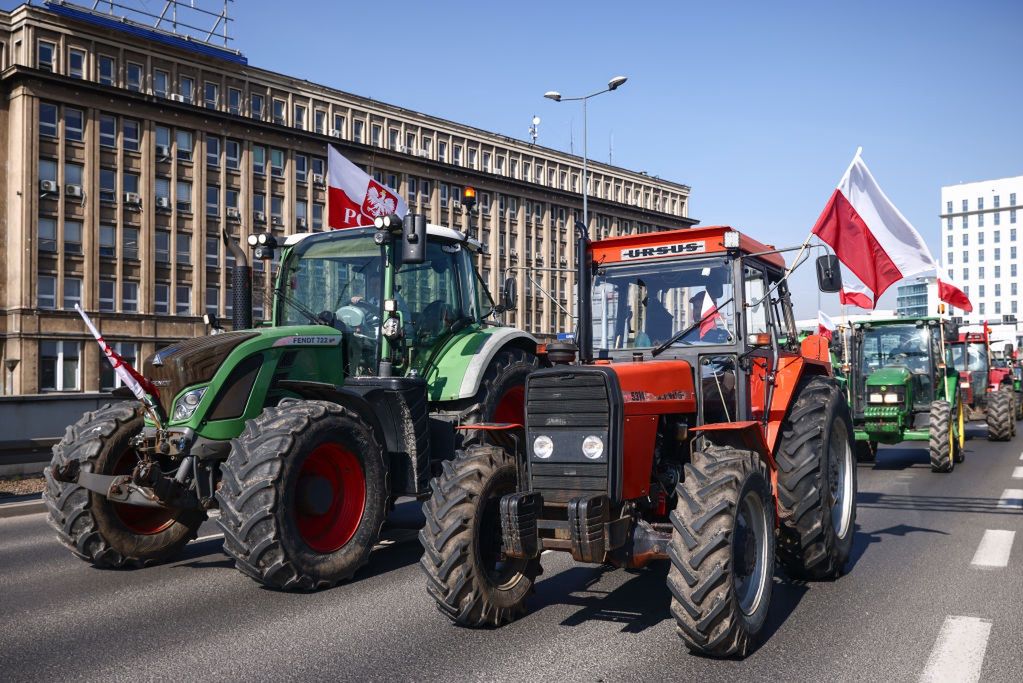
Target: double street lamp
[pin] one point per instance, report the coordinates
(613, 84)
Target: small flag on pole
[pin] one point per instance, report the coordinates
(141, 387)
(354, 197)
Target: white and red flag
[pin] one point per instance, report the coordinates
(855, 295)
(129, 376)
(825, 326)
(951, 293)
(704, 306)
(869, 235)
(354, 197)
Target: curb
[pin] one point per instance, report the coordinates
(20, 508)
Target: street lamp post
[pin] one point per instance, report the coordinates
(613, 84)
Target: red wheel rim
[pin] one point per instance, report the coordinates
(511, 407)
(329, 498)
(144, 521)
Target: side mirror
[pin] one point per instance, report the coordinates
(413, 239)
(829, 274)
(509, 294)
(1008, 351)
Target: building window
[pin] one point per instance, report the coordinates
(301, 214)
(211, 95)
(256, 106)
(319, 167)
(301, 168)
(107, 130)
(106, 297)
(130, 297)
(277, 208)
(213, 151)
(998, 236)
(46, 55)
(980, 238)
(276, 162)
(359, 128)
(980, 203)
(233, 155)
(980, 274)
(1012, 252)
(472, 158)
(131, 135)
(392, 138)
(212, 200)
(107, 241)
(182, 303)
(130, 244)
(1012, 219)
(966, 275)
(998, 218)
(184, 196)
(258, 160)
(46, 292)
(163, 139)
(161, 83)
(232, 199)
(998, 274)
(76, 63)
(162, 191)
(317, 217)
(73, 174)
(234, 101)
(130, 182)
(212, 252)
(108, 379)
(184, 140)
(442, 151)
(161, 294)
(376, 131)
(134, 73)
(47, 228)
(183, 242)
(280, 112)
(72, 292)
(72, 237)
(48, 170)
(949, 240)
(106, 70)
(59, 365)
(161, 243)
(73, 124)
(48, 119)
(980, 220)
(299, 116)
(966, 239)
(212, 300)
(187, 88)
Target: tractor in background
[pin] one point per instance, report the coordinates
(903, 387)
(988, 391)
(698, 429)
(302, 431)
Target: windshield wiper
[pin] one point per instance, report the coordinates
(314, 318)
(678, 335)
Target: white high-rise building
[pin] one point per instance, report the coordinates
(981, 244)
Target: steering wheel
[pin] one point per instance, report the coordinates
(435, 318)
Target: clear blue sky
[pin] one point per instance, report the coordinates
(757, 106)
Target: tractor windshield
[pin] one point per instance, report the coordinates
(969, 357)
(906, 346)
(641, 305)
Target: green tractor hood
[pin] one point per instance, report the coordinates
(889, 377)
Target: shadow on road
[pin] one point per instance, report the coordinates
(940, 503)
(862, 541)
(639, 603)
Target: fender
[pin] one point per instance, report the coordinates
(451, 377)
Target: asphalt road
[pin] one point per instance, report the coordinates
(913, 604)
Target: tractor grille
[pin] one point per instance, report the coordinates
(567, 406)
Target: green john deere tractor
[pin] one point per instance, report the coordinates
(305, 430)
(903, 387)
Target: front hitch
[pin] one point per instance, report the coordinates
(146, 486)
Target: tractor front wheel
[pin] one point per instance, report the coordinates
(816, 482)
(473, 582)
(942, 442)
(95, 529)
(722, 551)
(303, 495)
(1001, 424)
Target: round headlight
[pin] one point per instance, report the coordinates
(253, 240)
(391, 327)
(593, 447)
(543, 447)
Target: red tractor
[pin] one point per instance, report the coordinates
(696, 428)
(987, 384)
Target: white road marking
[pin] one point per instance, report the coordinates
(208, 537)
(994, 549)
(958, 654)
(1011, 498)
(1021, 456)
(1017, 473)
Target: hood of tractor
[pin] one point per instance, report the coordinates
(889, 377)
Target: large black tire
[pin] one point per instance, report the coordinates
(1000, 422)
(94, 529)
(304, 495)
(472, 583)
(722, 552)
(942, 442)
(866, 451)
(500, 397)
(816, 482)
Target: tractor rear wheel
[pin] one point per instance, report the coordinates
(816, 482)
(468, 575)
(942, 441)
(722, 551)
(866, 451)
(95, 529)
(303, 495)
(1000, 422)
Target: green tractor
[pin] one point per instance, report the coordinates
(302, 431)
(904, 387)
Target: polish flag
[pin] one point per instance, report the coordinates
(708, 312)
(951, 293)
(825, 326)
(855, 295)
(129, 376)
(354, 197)
(869, 235)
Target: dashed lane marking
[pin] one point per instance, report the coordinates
(1012, 499)
(994, 549)
(958, 654)
(1017, 473)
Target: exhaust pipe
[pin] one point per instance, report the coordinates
(584, 279)
(241, 285)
